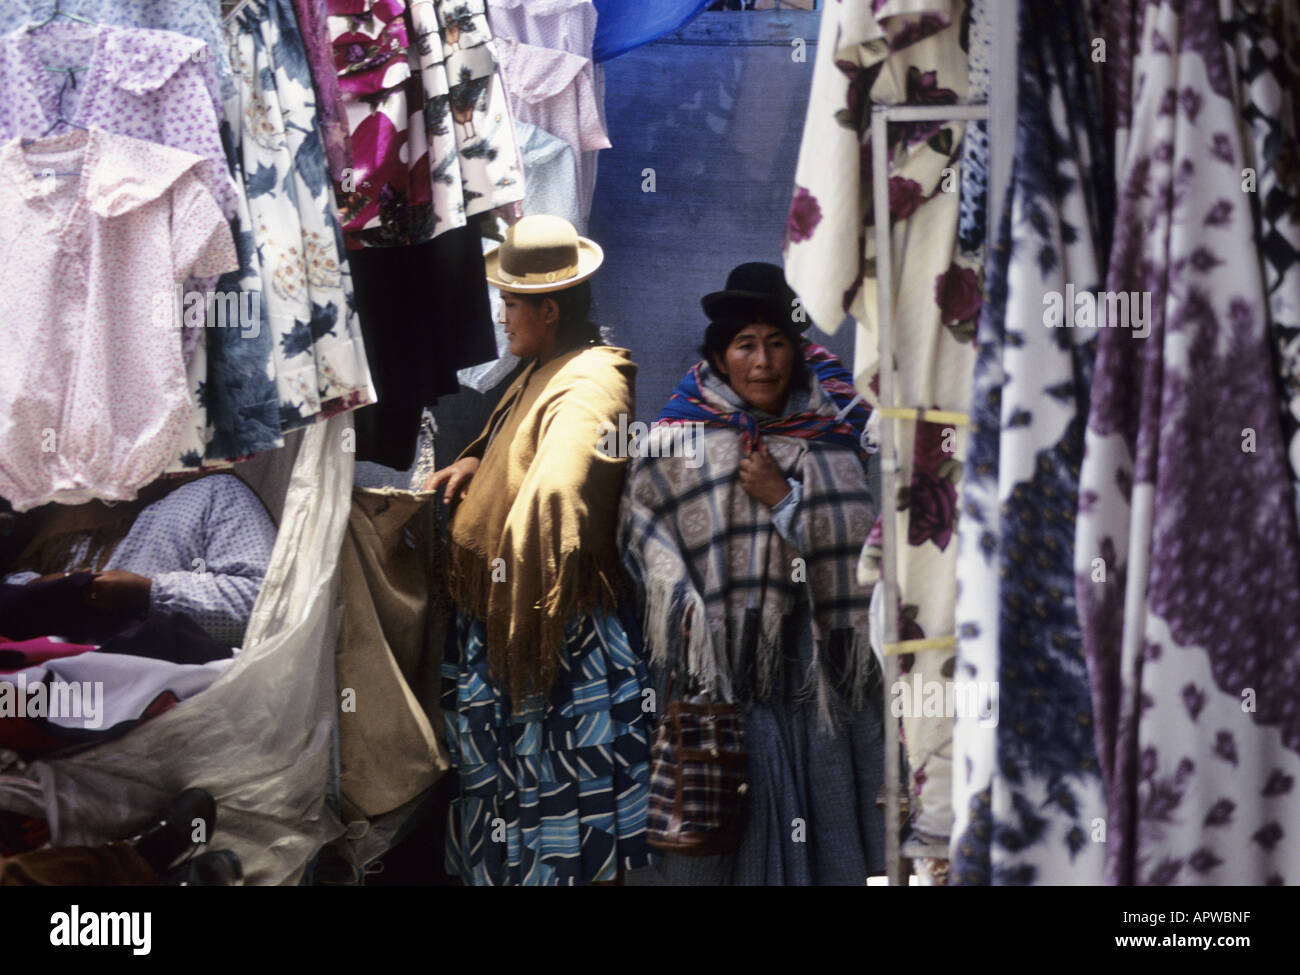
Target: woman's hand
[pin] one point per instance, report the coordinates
(456, 478)
(762, 478)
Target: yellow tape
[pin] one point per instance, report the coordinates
(930, 416)
(930, 643)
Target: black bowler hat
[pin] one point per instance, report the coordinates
(756, 286)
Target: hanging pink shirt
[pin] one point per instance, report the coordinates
(93, 394)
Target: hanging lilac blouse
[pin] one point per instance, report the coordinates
(149, 84)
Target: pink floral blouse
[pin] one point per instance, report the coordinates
(93, 394)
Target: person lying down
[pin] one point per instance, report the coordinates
(198, 547)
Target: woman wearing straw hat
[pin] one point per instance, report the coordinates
(541, 680)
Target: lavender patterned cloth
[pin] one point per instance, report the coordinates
(200, 19)
(155, 85)
(1187, 559)
(1267, 45)
(151, 85)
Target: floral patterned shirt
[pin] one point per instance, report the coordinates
(200, 19)
(433, 140)
(93, 395)
(148, 84)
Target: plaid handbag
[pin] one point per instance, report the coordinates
(698, 778)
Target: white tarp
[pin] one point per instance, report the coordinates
(259, 739)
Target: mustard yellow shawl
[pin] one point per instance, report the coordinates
(533, 543)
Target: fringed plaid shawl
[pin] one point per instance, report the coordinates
(720, 583)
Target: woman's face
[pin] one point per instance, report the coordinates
(758, 364)
(530, 327)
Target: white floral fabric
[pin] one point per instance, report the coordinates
(88, 411)
(898, 52)
(307, 302)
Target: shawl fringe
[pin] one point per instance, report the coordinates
(523, 647)
(841, 679)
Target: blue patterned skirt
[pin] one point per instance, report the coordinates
(554, 792)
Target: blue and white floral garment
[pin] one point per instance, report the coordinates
(1027, 789)
(307, 299)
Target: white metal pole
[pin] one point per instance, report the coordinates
(888, 470)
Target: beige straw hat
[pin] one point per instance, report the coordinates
(542, 253)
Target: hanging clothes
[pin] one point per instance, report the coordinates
(417, 344)
(432, 138)
(1187, 557)
(553, 82)
(321, 366)
(331, 115)
(1267, 49)
(143, 83)
(156, 86)
(110, 402)
(470, 146)
(1027, 792)
(200, 19)
(894, 53)
(433, 147)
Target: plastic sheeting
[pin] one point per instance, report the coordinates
(260, 738)
(622, 25)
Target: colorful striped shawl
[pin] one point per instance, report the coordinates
(690, 403)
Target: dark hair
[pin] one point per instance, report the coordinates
(720, 334)
(574, 326)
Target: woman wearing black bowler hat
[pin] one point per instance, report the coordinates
(746, 556)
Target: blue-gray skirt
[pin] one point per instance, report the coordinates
(554, 792)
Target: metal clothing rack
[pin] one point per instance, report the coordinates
(890, 410)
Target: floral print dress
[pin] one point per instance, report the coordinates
(1187, 560)
(899, 52)
(432, 137)
(1027, 791)
(321, 366)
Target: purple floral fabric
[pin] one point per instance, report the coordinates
(1027, 793)
(1187, 557)
(1267, 45)
(148, 84)
(332, 117)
